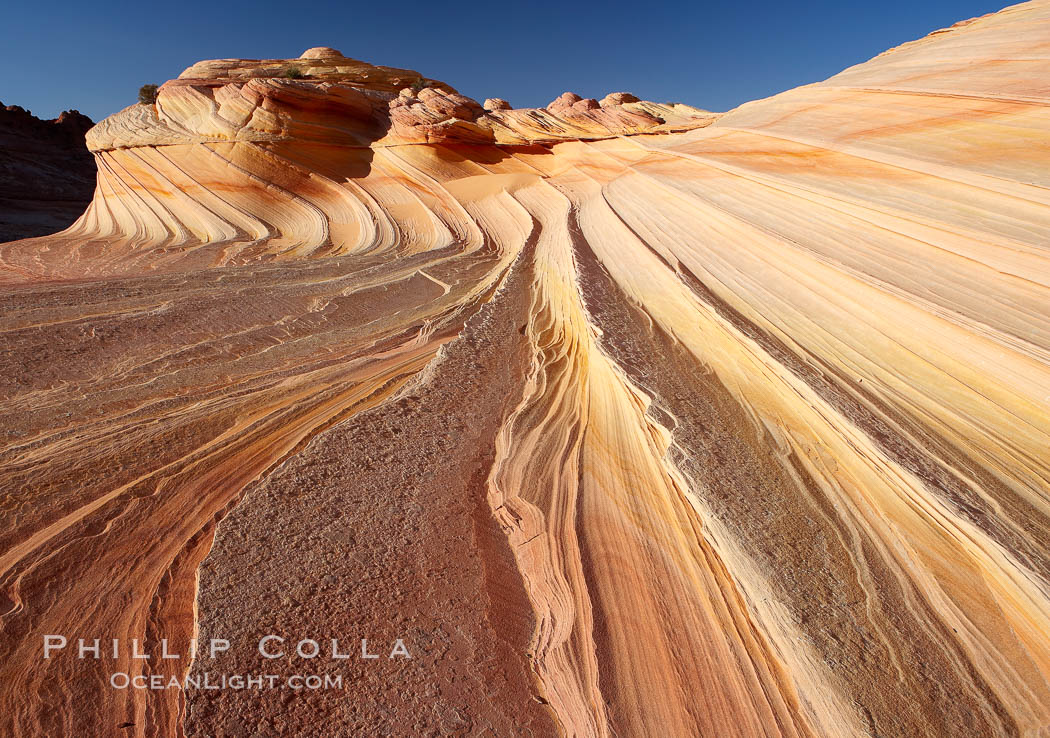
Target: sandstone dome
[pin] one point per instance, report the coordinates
(322, 52)
(593, 403)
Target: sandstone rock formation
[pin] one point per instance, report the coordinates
(618, 98)
(497, 103)
(47, 176)
(631, 419)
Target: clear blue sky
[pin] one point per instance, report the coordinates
(93, 56)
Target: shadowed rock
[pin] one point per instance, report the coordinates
(47, 175)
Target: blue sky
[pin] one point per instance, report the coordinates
(715, 55)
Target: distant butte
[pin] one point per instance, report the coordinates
(47, 177)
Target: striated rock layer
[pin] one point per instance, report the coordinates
(629, 419)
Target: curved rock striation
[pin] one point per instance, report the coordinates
(631, 419)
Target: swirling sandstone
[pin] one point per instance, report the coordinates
(639, 420)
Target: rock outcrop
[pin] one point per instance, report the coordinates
(330, 98)
(630, 419)
(47, 176)
(497, 103)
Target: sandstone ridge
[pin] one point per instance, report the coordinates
(327, 96)
(738, 431)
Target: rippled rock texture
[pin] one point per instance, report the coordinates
(630, 419)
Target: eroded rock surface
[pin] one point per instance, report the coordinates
(632, 419)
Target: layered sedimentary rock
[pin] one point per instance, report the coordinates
(47, 177)
(628, 419)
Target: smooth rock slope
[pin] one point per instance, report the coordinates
(629, 418)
